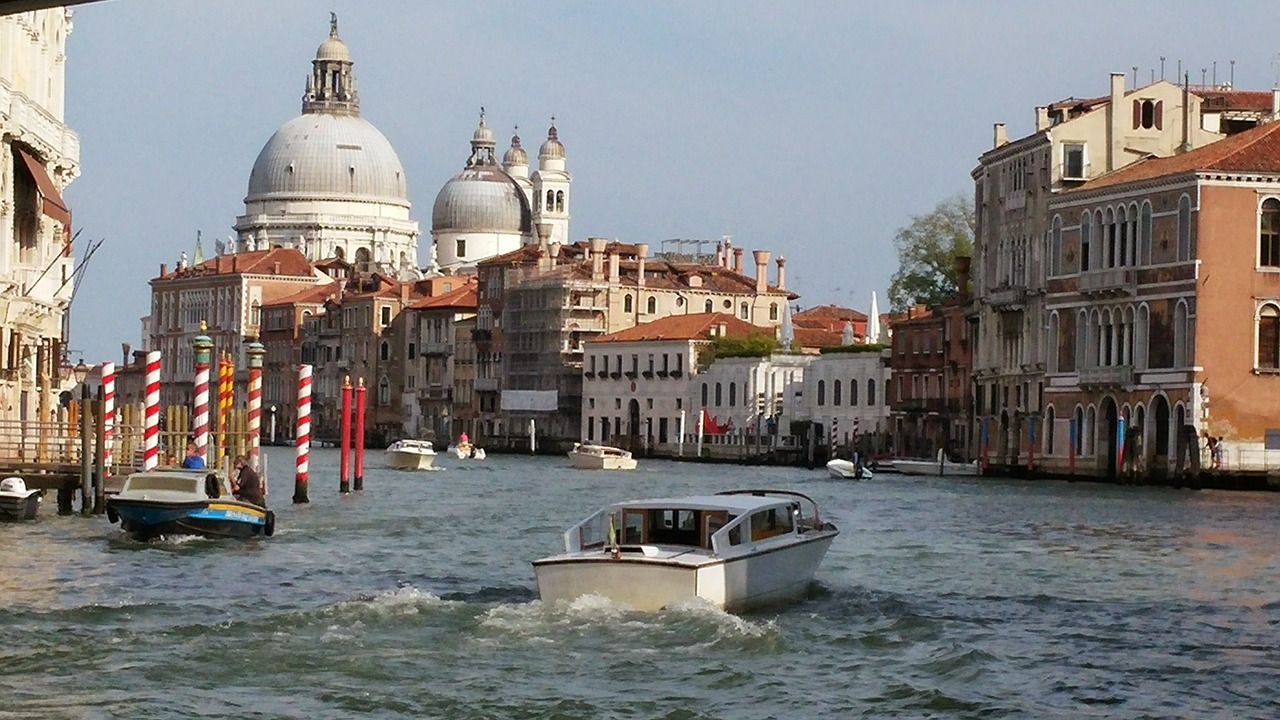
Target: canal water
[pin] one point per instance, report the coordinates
(942, 598)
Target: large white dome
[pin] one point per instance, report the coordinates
(332, 157)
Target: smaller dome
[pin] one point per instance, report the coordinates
(552, 149)
(482, 198)
(333, 49)
(483, 136)
(516, 154)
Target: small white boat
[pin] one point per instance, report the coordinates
(738, 550)
(939, 466)
(467, 451)
(601, 457)
(16, 501)
(847, 469)
(410, 454)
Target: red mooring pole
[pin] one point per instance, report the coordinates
(344, 469)
(359, 438)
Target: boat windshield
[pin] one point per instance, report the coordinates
(172, 483)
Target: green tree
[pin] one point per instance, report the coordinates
(927, 248)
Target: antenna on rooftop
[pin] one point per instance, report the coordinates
(1232, 81)
(1135, 76)
(1161, 67)
(1275, 65)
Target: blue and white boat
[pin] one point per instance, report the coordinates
(169, 502)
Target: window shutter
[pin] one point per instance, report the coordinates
(1137, 114)
(1160, 115)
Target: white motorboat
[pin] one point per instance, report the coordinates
(467, 451)
(939, 466)
(16, 501)
(601, 457)
(411, 454)
(847, 469)
(738, 550)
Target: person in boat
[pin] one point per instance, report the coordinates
(247, 485)
(193, 461)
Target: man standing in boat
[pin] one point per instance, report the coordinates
(247, 486)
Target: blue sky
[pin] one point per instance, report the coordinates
(813, 129)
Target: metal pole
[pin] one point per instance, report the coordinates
(680, 443)
(86, 450)
(533, 439)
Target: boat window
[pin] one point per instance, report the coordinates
(633, 527)
(771, 522)
(735, 533)
(674, 527)
(163, 482)
(711, 522)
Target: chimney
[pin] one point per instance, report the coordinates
(597, 257)
(235, 263)
(555, 253)
(962, 276)
(762, 268)
(1042, 118)
(124, 350)
(737, 260)
(544, 232)
(728, 252)
(720, 254)
(999, 136)
(613, 266)
(544, 257)
(164, 269)
(404, 293)
(275, 267)
(1115, 133)
(642, 252)
(782, 273)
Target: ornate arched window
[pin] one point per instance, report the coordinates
(1269, 234)
(1055, 249)
(1144, 233)
(551, 200)
(1184, 228)
(1086, 237)
(559, 201)
(1269, 337)
(1180, 335)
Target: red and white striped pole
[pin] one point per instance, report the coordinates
(255, 352)
(203, 349)
(108, 371)
(344, 444)
(302, 436)
(151, 423)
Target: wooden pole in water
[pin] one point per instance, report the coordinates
(302, 435)
(359, 437)
(344, 469)
(100, 457)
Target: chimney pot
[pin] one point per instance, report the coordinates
(737, 259)
(642, 252)
(782, 273)
(1042, 118)
(762, 269)
(999, 136)
(164, 269)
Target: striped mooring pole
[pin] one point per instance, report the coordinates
(255, 353)
(108, 371)
(151, 422)
(202, 348)
(302, 435)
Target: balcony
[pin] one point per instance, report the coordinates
(1007, 299)
(486, 384)
(1111, 281)
(1111, 376)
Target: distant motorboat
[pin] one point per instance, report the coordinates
(410, 455)
(16, 501)
(847, 469)
(939, 466)
(467, 451)
(587, 456)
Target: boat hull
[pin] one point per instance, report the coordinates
(150, 519)
(933, 467)
(403, 460)
(749, 581)
(16, 507)
(584, 461)
(846, 470)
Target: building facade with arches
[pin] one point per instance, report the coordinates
(1075, 142)
(1163, 308)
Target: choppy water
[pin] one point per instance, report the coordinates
(955, 598)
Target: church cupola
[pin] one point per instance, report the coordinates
(551, 154)
(331, 87)
(516, 160)
(482, 145)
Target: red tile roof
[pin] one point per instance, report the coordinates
(311, 296)
(257, 262)
(685, 327)
(830, 312)
(1253, 150)
(1259, 100)
(463, 297)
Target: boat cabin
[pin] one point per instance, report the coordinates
(186, 483)
(715, 523)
